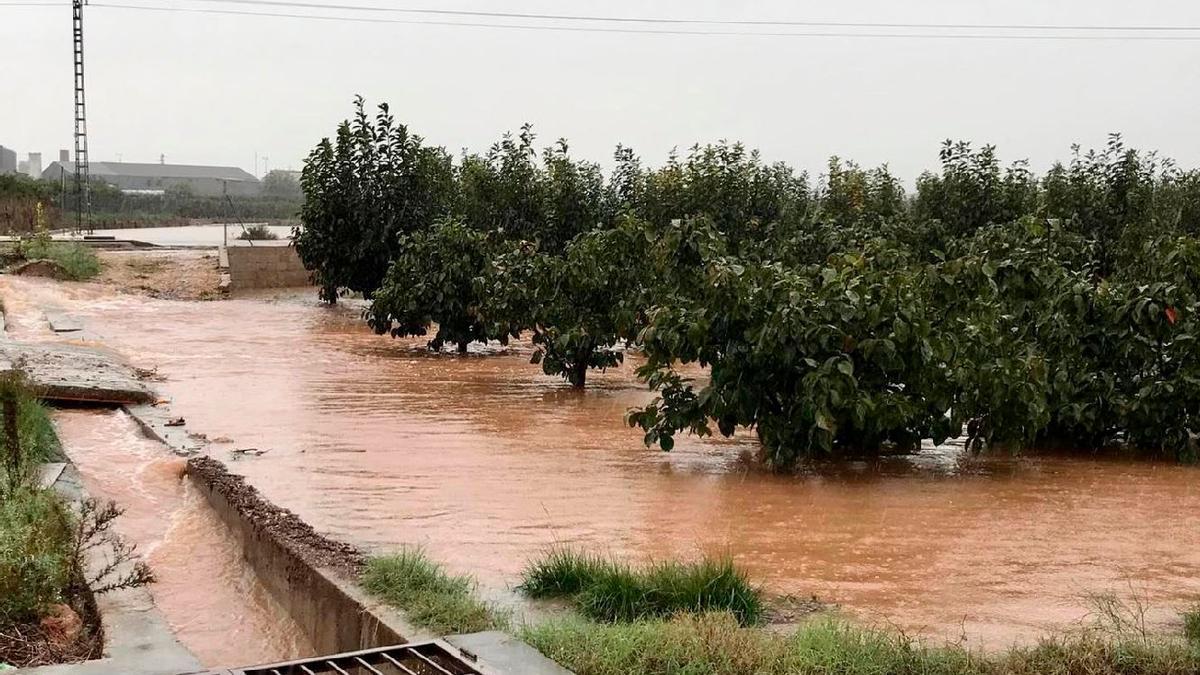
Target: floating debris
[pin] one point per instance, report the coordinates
(149, 374)
(253, 452)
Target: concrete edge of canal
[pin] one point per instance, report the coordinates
(314, 578)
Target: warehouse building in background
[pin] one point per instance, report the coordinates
(131, 176)
(8, 160)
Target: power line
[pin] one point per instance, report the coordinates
(659, 31)
(721, 22)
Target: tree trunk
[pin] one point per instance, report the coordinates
(579, 371)
(462, 347)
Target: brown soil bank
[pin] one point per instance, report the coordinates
(172, 275)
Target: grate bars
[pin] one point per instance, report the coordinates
(423, 658)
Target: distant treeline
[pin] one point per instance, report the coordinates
(19, 196)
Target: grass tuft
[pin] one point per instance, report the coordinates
(1191, 625)
(257, 232)
(428, 595)
(563, 572)
(606, 590)
(35, 431)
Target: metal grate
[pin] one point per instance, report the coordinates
(424, 658)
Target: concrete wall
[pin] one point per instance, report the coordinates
(265, 264)
(334, 613)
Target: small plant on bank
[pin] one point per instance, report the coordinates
(428, 595)
(614, 592)
(35, 553)
(257, 232)
(45, 545)
(563, 572)
(77, 261)
(1191, 625)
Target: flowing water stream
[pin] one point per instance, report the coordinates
(214, 603)
(484, 461)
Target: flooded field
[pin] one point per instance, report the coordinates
(188, 235)
(485, 461)
(214, 603)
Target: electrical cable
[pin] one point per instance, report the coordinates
(604, 29)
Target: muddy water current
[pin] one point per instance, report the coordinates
(484, 461)
(214, 604)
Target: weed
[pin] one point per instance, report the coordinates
(610, 591)
(563, 572)
(1191, 625)
(35, 553)
(427, 594)
(256, 232)
(35, 441)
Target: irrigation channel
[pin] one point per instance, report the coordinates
(484, 462)
(215, 604)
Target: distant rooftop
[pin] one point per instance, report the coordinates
(152, 170)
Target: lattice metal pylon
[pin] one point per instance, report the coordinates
(83, 211)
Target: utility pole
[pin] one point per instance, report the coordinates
(83, 211)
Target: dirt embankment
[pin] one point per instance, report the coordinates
(173, 275)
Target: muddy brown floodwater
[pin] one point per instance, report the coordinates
(485, 461)
(214, 603)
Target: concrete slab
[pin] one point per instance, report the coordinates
(63, 323)
(504, 653)
(60, 372)
(49, 473)
(153, 421)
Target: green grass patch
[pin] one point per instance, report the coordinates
(35, 431)
(36, 551)
(77, 260)
(607, 590)
(1191, 625)
(563, 572)
(428, 595)
(36, 528)
(716, 644)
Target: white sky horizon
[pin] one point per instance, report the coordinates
(219, 89)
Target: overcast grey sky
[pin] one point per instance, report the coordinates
(204, 88)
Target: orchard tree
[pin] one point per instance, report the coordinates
(580, 307)
(436, 279)
(824, 361)
(375, 182)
